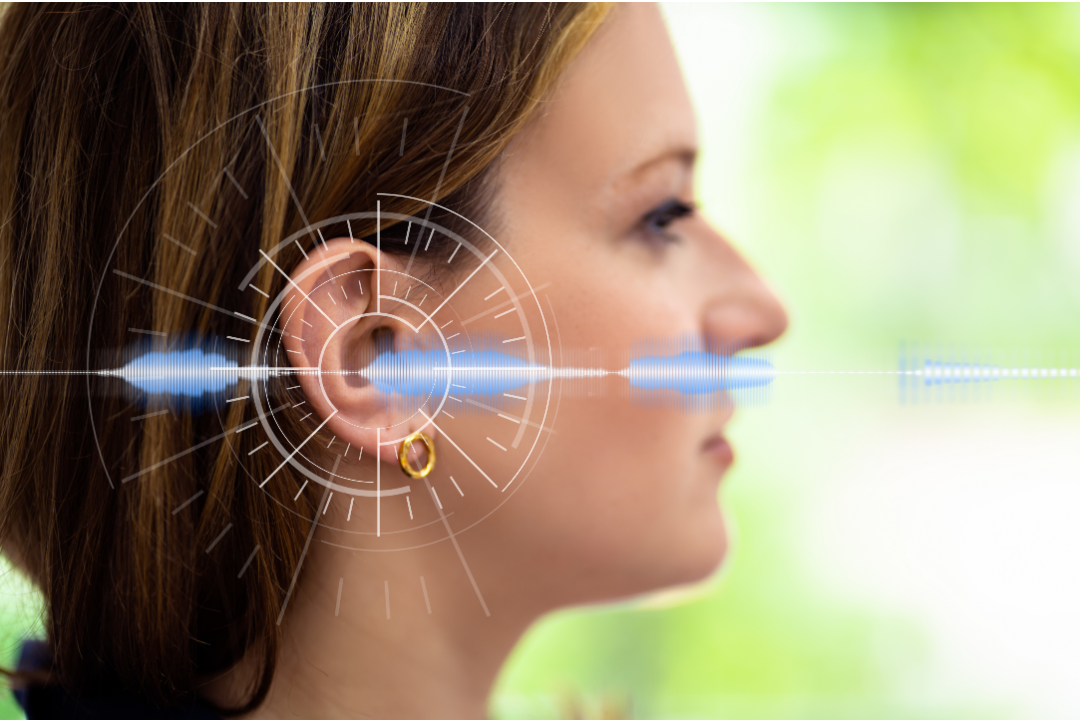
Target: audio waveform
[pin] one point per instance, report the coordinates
(193, 372)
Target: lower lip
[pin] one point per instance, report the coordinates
(719, 449)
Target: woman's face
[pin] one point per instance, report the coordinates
(624, 498)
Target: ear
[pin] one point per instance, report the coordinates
(334, 326)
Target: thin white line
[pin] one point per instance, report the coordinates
(303, 554)
(337, 605)
(256, 289)
(461, 555)
(251, 424)
(269, 260)
(346, 450)
(456, 447)
(457, 351)
(495, 293)
(218, 538)
(233, 337)
(351, 238)
(250, 558)
(148, 332)
(422, 300)
(442, 326)
(453, 336)
(516, 397)
(449, 415)
(436, 496)
(284, 462)
(258, 448)
(351, 501)
(328, 503)
(378, 256)
(150, 415)
(331, 442)
(236, 184)
(496, 444)
(423, 586)
(461, 285)
(407, 502)
(306, 257)
(504, 303)
(182, 453)
(513, 339)
(187, 502)
(203, 215)
(510, 418)
(504, 313)
(297, 496)
(307, 416)
(456, 486)
(452, 257)
(407, 231)
(176, 242)
(164, 289)
(378, 486)
(288, 183)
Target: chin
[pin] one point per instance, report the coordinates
(695, 550)
(704, 551)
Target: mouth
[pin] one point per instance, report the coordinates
(719, 449)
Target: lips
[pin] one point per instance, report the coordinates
(716, 446)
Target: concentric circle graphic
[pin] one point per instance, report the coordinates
(363, 504)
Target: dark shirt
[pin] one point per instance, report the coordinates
(52, 702)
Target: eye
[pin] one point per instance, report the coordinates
(657, 221)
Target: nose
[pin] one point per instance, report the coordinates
(741, 311)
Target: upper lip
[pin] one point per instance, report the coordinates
(727, 410)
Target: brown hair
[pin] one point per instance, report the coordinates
(97, 102)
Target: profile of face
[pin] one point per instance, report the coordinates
(595, 201)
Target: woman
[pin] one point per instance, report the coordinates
(153, 161)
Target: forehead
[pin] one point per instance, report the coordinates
(621, 106)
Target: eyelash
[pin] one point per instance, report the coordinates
(657, 220)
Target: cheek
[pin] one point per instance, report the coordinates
(621, 502)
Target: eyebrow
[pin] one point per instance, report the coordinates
(685, 154)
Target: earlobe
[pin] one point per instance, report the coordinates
(333, 331)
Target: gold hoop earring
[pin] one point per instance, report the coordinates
(403, 456)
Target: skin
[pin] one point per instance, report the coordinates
(624, 499)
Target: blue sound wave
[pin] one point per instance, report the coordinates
(187, 373)
(422, 372)
(489, 372)
(699, 373)
(193, 373)
(937, 378)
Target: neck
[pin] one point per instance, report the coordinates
(349, 660)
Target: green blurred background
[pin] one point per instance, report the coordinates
(899, 173)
